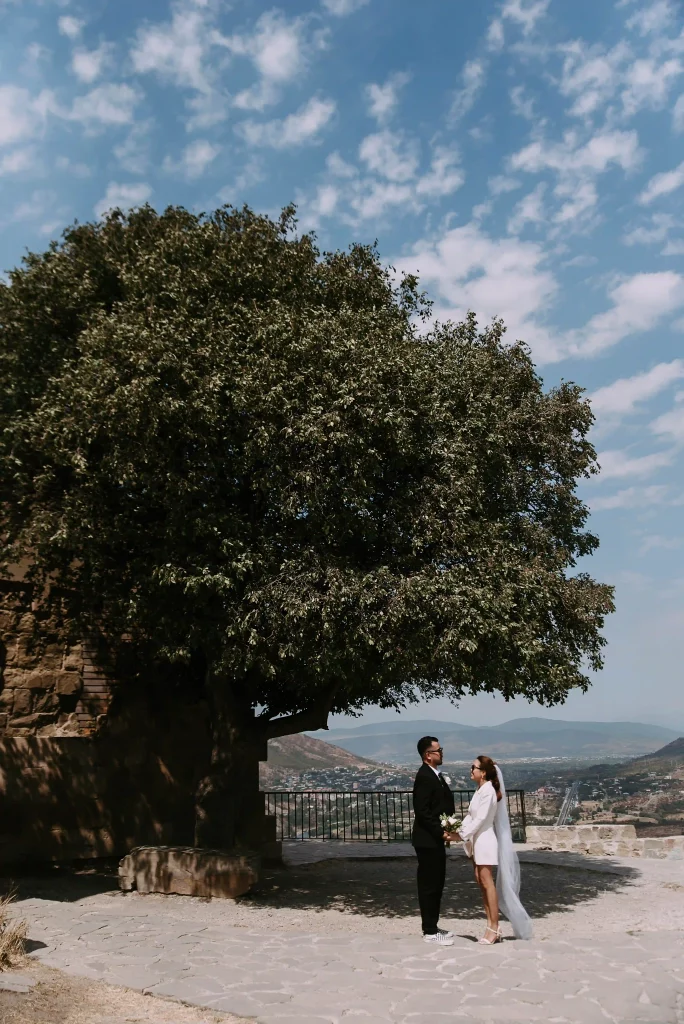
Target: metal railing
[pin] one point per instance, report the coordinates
(365, 815)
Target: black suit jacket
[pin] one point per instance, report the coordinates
(431, 797)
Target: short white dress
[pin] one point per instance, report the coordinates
(477, 830)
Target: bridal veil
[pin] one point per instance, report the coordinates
(508, 873)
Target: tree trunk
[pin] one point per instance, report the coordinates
(229, 806)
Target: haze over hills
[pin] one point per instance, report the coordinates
(669, 758)
(395, 742)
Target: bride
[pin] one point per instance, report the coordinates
(486, 835)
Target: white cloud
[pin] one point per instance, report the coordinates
(617, 463)
(631, 497)
(251, 173)
(391, 155)
(278, 52)
(35, 207)
(21, 114)
(581, 201)
(444, 177)
(525, 13)
(383, 99)
(648, 83)
(622, 396)
(529, 210)
(522, 105)
(678, 115)
(294, 130)
(500, 184)
(473, 79)
(339, 167)
(674, 248)
(639, 303)
(671, 424)
(176, 50)
(123, 196)
(341, 8)
(595, 156)
(17, 162)
(577, 164)
(133, 153)
(655, 541)
(652, 19)
(88, 65)
(371, 199)
(495, 35)
(311, 212)
(592, 75)
(662, 184)
(660, 226)
(467, 269)
(69, 26)
(194, 160)
(73, 167)
(110, 104)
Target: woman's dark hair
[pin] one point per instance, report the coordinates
(489, 768)
(424, 742)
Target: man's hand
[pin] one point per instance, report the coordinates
(451, 837)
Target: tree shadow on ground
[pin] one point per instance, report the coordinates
(387, 888)
(64, 883)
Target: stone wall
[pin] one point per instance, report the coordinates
(46, 687)
(79, 777)
(76, 797)
(603, 841)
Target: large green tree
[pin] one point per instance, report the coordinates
(253, 459)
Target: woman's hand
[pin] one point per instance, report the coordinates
(452, 837)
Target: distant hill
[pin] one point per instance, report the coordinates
(668, 757)
(302, 753)
(395, 742)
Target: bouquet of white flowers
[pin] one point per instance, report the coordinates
(450, 823)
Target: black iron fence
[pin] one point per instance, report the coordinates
(380, 816)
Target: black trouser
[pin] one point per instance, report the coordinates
(430, 878)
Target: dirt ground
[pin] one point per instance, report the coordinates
(60, 999)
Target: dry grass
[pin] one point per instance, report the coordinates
(12, 934)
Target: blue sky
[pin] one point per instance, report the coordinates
(526, 157)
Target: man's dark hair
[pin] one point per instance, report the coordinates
(424, 742)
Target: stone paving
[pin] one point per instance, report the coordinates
(280, 977)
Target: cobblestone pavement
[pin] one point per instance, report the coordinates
(280, 977)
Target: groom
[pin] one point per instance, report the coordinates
(431, 797)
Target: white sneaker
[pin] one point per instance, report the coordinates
(443, 931)
(439, 939)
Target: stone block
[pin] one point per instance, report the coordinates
(46, 701)
(188, 871)
(22, 702)
(32, 722)
(68, 684)
(41, 680)
(14, 677)
(73, 659)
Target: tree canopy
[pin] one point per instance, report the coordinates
(242, 453)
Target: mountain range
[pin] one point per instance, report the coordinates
(395, 742)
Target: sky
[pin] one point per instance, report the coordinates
(525, 157)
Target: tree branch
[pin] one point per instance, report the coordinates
(303, 721)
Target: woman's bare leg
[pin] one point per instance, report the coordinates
(485, 879)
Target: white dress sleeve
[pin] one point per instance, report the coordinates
(473, 821)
